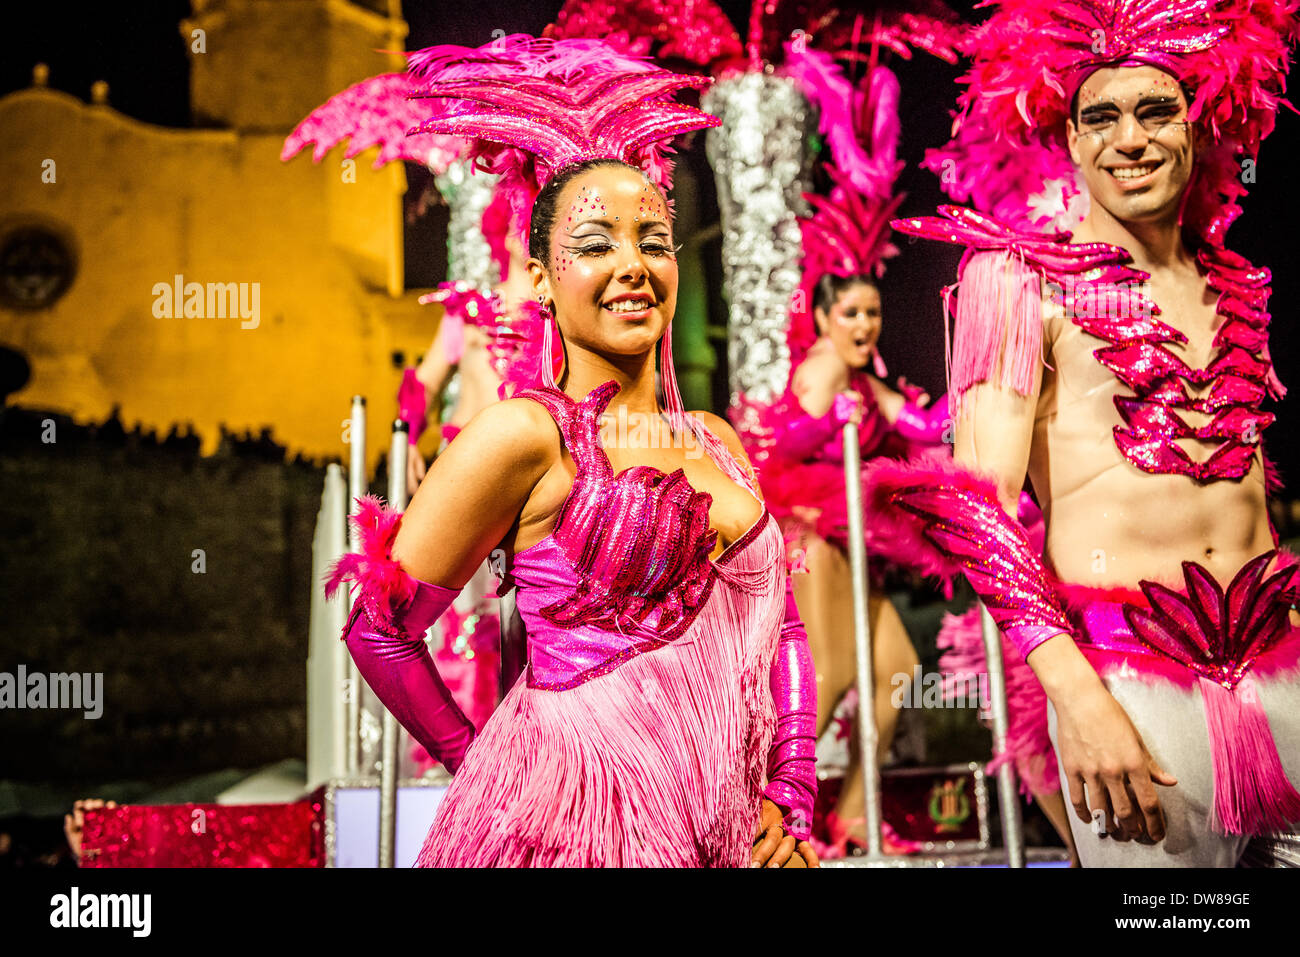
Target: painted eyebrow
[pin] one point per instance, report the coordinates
(647, 224)
(1145, 101)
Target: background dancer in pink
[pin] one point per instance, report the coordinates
(1122, 365)
(665, 717)
(835, 325)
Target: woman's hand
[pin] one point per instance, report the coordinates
(849, 401)
(414, 470)
(775, 848)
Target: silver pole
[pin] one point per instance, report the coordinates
(868, 735)
(1008, 795)
(356, 489)
(391, 734)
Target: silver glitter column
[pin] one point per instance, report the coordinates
(762, 164)
(468, 255)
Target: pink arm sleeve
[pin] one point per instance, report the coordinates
(924, 425)
(395, 661)
(952, 520)
(385, 636)
(413, 405)
(799, 435)
(791, 762)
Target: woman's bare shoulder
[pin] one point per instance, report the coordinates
(821, 370)
(723, 429)
(518, 431)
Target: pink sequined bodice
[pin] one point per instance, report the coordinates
(1091, 280)
(626, 568)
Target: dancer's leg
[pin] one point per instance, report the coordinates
(894, 658)
(1058, 812)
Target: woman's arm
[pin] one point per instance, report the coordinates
(802, 429)
(475, 491)
(412, 566)
(816, 382)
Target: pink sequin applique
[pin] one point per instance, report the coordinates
(639, 541)
(1090, 278)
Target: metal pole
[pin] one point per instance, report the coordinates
(1008, 795)
(356, 489)
(868, 735)
(391, 734)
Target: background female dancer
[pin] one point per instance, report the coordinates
(802, 460)
(668, 672)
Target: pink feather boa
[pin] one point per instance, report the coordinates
(897, 531)
(384, 586)
(823, 82)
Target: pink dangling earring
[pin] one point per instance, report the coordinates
(878, 364)
(548, 345)
(676, 409)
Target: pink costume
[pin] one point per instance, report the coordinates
(1236, 744)
(666, 693)
(800, 456)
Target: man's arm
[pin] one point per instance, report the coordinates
(1098, 745)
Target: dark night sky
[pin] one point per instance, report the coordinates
(138, 49)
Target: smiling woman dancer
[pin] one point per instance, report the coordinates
(666, 714)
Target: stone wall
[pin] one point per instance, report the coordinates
(184, 580)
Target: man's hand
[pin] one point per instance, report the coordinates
(414, 470)
(1100, 749)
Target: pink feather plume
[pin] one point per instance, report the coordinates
(374, 112)
(384, 585)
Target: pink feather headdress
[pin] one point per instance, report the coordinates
(1008, 155)
(847, 235)
(532, 106)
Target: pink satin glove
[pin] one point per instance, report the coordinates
(800, 436)
(413, 405)
(924, 425)
(792, 759)
(385, 636)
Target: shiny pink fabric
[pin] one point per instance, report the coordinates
(1217, 640)
(953, 520)
(412, 405)
(928, 426)
(792, 761)
(642, 729)
(1106, 298)
(796, 436)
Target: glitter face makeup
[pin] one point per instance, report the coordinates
(613, 276)
(1133, 142)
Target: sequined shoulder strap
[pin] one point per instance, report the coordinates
(1051, 254)
(578, 422)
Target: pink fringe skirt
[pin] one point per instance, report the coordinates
(659, 763)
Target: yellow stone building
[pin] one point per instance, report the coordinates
(187, 275)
